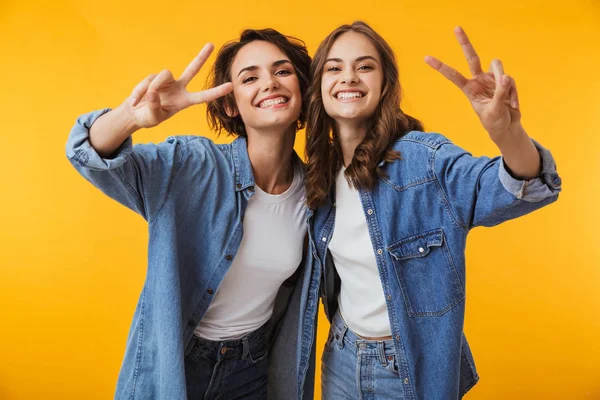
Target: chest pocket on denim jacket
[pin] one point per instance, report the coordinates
(424, 267)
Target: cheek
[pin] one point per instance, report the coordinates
(243, 98)
(326, 87)
(296, 88)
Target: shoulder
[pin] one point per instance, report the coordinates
(192, 148)
(431, 140)
(416, 144)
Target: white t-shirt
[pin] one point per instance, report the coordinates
(269, 253)
(361, 299)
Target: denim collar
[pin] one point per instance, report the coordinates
(243, 169)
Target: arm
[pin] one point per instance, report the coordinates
(481, 192)
(152, 101)
(484, 191)
(100, 144)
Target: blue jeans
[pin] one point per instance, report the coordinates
(231, 369)
(355, 368)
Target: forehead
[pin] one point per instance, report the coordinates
(257, 53)
(351, 45)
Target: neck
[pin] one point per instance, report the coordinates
(350, 134)
(270, 153)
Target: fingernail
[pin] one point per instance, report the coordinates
(505, 80)
(515, 104)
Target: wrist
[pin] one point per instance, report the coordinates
(126, 119)
(515, 136)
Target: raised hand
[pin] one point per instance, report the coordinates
(160, 96)
(492, 94)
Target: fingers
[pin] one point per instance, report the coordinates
(140, 89)
(450, 73)
(468, 50)
(152, 93)
(163, 77)
(514, 96)
(210, 94)
(153, 100)
(197, 63)
(503, 82)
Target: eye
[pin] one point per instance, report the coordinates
(283, 72)
(365, 68)
(333, 68)
(249, 79)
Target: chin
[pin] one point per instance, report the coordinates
(277, 123)
(349, 114)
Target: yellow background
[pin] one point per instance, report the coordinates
(72, 261)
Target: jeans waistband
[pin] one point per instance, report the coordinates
(344, 336)
(238, 348)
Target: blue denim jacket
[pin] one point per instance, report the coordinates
(193, 194)
(418, 219)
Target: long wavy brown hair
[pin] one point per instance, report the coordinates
(388, 124)
(294, 48)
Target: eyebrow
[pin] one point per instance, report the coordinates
(254, 67)
(357, 60)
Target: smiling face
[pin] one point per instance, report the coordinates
(265, 87)
(352, 79)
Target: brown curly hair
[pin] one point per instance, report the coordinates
(388, 124)
(293, 48)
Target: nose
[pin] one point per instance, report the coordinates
(349, 76)
(270, 83)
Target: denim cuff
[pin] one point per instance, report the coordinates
(80, 150)
(546, 185)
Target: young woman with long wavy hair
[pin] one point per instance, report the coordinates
(392, 210)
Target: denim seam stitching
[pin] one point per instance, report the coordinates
(408, 185)
(174, 172)
(139, 351)
(450, 261)
(433, 146)
(129, 186)
(449, 205)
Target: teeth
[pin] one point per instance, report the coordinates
(272, 102)
(349, 95)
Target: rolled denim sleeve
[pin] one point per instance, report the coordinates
(481, 192)
(136, 176)
(546, 185)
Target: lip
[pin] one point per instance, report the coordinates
(273, 96)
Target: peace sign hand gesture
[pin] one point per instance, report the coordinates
(492, 94)
(159, 97)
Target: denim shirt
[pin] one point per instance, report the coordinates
(193, 194)
(418, 219)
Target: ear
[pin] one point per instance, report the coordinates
(230, 110)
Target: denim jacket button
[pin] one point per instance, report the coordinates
(406, 381)
(324, 239)
(209, 291)
(421, 250)
(228, 257)
(379, 251)
(369, 211)
(556, 180)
